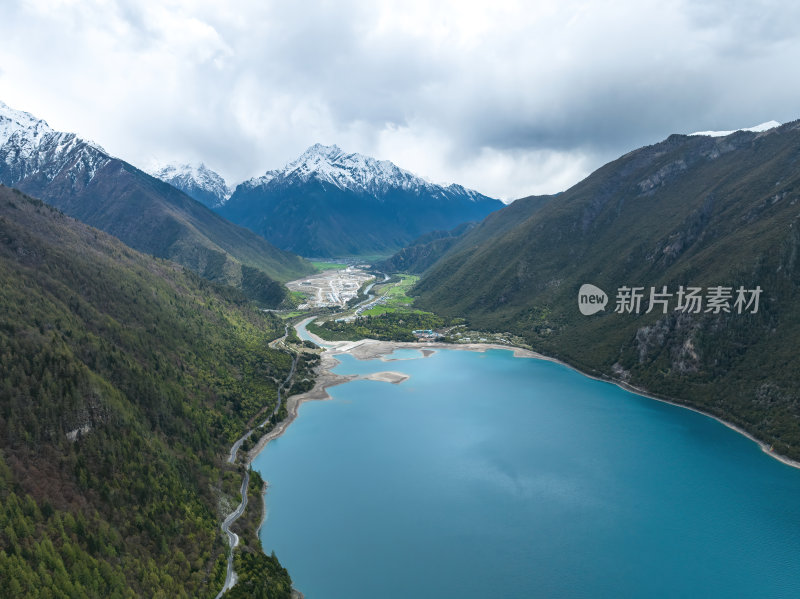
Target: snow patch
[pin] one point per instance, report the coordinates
(19, 122)
(757, 129)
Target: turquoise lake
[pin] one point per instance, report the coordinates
(486, 476)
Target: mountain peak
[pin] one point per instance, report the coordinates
(13, 121)
(323, 150)
(348, 171)
(28, 147)
(175, 168)
(341, 196)
(195, 180)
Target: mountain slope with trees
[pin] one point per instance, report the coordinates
(691, 211)
(424, 251)
(123, 380)
(427, 249)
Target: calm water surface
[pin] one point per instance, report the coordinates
(486, 475)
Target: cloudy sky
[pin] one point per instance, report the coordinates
(509, 98)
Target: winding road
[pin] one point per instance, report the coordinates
(233, 538)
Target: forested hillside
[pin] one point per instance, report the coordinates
(690, 212)
(123, 380)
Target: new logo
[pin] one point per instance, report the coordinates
(591, 299)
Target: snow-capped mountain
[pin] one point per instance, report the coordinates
(353, 172)
(195, 180)
(29, 148)
(83, 181)
(13, 121)
(330, 203)
(757, 129)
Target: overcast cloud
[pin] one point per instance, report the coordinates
(509, 98)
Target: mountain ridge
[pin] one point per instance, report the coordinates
(688, 211)
(353, 171)
(329, 203)
(79, 178)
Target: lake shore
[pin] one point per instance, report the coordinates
(325, 380)
(371, 349)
